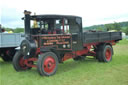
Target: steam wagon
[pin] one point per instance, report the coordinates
(57, 38)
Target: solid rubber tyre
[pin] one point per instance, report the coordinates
(47, 64)
(18, 62)
(104, 53)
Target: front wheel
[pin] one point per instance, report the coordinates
(19, 62)
(47, 64)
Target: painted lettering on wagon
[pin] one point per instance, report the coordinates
(53, 40)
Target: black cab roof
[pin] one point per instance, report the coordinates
(54, 16)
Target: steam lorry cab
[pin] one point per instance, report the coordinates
(52, 39)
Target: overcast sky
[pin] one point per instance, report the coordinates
(93, 12)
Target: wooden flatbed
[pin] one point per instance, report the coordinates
(94, 37)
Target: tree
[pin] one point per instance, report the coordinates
(113, 26)
(109, 27)
(99, 28)
(116, 26)
(7, 29)
(126, 31)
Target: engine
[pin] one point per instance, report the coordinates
(28, 47)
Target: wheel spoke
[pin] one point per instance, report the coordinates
(21, 63)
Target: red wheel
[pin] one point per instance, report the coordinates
(47, 64)
(108, 54)
(19, 62)
(104, 53)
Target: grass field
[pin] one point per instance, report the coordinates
(88, 72)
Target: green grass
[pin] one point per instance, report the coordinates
(123, 42)
(88, 72)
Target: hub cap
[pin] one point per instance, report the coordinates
(108, 54)
(49, 64)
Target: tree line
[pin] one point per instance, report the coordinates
(120, 26)
(16, 30)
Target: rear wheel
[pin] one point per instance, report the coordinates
(5, 57)
(104, 53)
(47, 64)
(7, 54)
(19, 62)
(10, 53)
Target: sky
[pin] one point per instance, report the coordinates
(93, 12)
